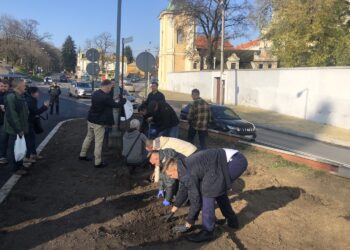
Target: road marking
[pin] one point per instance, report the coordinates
(9, 185)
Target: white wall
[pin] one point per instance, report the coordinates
(317, 94)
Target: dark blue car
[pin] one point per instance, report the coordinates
(225, 119)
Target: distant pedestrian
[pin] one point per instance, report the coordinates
(100, 116)
(198, 117)
(155, 95)
(3, 135)
(164, 118)
(16, 121)
(55, 92)
(33, 121)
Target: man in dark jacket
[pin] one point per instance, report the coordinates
(205, 178)
(16, 121)
(155, 95)
(3, 135)
(100, 116)
(164, 119)
(55, 92)
(34, 113)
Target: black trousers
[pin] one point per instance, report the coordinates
(55, 101)
(202, 135)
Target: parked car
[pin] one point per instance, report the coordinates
(63, 78)
(80, 89)
(224, 119)
(28, 81)
(128, 85)
(135, 79)
(48, 80)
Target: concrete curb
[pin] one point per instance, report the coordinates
(9, 185)
(304, 135)
(311, 161)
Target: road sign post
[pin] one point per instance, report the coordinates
(146, 62)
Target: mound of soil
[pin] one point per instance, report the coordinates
(67, 204)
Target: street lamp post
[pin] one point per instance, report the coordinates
(117, 63)
(222, 51)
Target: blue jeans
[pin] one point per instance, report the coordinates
(170, 132)
(30, 141)
(4, 140)
(237, 165)
(208, 211)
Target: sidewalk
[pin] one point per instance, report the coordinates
(278, 122)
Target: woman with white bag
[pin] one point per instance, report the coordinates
(16, 125)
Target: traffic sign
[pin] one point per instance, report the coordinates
(128, 40)
(146, 62)
(93, 69)
(93, 55)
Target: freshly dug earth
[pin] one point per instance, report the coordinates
(67, 204)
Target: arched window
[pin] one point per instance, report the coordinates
(179, 36)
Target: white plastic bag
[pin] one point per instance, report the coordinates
(20, 148)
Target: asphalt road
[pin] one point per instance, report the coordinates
(69, 109)
(290, 143)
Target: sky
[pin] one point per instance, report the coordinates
(84, 19)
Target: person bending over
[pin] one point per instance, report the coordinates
(204, 178)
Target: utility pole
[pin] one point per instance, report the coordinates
(223, 6)
(117, 63)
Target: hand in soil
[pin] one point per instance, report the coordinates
(168, 217)
(160, 194)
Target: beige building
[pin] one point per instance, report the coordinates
(109, 73)
(181, 48)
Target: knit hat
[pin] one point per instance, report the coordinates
(135, 124)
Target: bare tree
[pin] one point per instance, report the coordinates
(207, 16)
(104, 43)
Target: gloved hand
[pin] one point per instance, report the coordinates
(168, 217)
(166, 203)
(181, 229)
(160, 194)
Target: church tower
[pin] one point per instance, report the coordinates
(177, 32)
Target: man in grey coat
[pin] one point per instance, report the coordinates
(134, 145)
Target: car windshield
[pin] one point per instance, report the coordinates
(84, 85)
(224, 113)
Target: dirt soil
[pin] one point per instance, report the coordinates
(67, 204)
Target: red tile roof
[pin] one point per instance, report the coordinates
(201, 43)
(247, 45)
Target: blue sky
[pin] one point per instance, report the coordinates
(83, 19)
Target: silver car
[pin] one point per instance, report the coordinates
(80, 89)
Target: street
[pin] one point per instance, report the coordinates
(69, 109)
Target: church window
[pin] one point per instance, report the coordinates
(233, 65)
(180, 36)
(195, 66)
(270, 66)
(261, 66)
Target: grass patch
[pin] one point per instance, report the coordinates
(282, 163)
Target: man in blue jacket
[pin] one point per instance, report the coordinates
(205, 177)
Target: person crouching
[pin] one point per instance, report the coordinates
(205, 177)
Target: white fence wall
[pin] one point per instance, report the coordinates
(317, 94)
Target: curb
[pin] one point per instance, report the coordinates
(305, 135)
(8, 186)
(311, 161)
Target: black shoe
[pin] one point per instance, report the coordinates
(84, 158)
(102, 165)
(233, 224)
(202, 236)
(220, 222)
